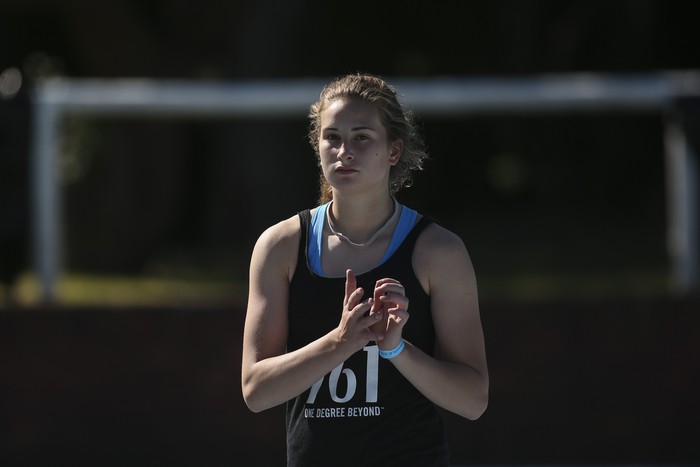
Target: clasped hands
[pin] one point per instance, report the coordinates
(379, 318)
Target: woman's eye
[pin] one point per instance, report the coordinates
(362, 137)
(331, 137)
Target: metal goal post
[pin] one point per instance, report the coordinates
(661, 92)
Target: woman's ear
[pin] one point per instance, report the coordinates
(396, 150)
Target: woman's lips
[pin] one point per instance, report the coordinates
(345, 170)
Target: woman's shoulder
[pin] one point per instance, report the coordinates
(436, 237)
(437, 247)
(281, 233)
(276, 249)
(279, 242)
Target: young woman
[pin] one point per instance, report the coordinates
(363, 314)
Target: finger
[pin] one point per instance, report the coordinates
(386, 280)
(376, 324)
(398, 320)
(372, 317)
(399, 300)
(354, 299)
(359, 311)
(376, 305)
(395, 325)
(386, 286)
(350, 284)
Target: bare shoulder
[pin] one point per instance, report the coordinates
(437, 238)
(277, 246)
(437, 244)
(281, 233)
(440, 255)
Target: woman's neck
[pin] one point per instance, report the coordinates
(359, 220)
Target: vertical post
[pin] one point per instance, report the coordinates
(46, 196)
(682, 206)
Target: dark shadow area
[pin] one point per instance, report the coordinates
(572, 383)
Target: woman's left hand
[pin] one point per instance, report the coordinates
(390, 298)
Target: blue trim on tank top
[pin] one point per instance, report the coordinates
(407, 220)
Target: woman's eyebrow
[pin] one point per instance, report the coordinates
(355, 128)
(359, 128)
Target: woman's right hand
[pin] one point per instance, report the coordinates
(356, 319)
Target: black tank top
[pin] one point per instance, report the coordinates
(364, 412)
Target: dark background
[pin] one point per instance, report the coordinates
(531, 195)
(592, 360)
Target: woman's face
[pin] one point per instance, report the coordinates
(354, 147)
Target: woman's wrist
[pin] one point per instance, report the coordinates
(392, 353)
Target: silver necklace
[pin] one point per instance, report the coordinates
(372, 238)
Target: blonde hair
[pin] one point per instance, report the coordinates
(398, 122)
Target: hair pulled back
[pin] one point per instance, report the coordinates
(397, 121)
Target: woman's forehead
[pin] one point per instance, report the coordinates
(350, 112)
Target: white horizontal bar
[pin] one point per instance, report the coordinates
(548, 93)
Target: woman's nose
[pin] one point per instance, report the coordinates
(345, 152)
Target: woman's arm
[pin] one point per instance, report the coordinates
(457, 377)
(269, 376)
